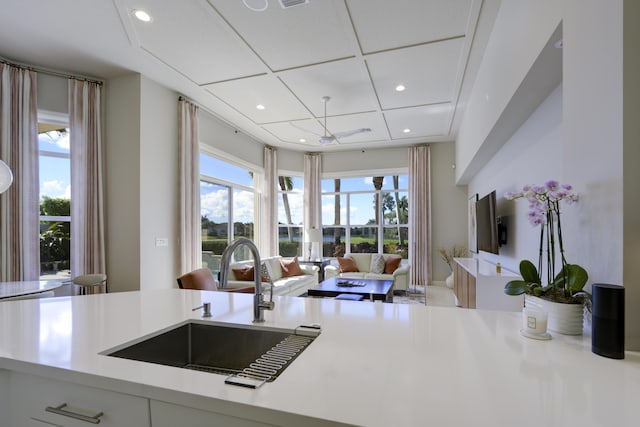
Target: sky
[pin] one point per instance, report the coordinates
(214, 200)
(55, 179)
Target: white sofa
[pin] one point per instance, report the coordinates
(289, 286)
(400, 276)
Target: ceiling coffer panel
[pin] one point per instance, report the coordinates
(346, 82)
(291, 37)
(428, 121)
(246, 95)
(383, 24)
(193, 39)
(428, 73)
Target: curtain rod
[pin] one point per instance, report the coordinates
(50, 72)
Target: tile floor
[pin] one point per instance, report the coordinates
(437, 295)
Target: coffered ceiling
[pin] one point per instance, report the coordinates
(230, 59)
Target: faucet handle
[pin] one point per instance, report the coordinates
(268, 305)
(206, 312)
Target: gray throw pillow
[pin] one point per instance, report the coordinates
(377, 264)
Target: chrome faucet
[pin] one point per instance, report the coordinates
(259, 304)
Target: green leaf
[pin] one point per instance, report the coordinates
(516, 287)
(576, 278)
(529, 272)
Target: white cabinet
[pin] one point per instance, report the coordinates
(33, 401)
(165, 414)
(477, 284)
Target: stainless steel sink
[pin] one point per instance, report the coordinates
(250, 355)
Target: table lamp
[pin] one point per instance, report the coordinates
(313, 236)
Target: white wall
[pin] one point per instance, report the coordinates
(122, 169)
(448, 207)
(521, 31)
(221, 137)
(53, 93)
(159, 214)
(631, 171)
(356, 162)
(533, 155)
(587, 148)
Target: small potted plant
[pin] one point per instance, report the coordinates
(448, 256)
(562, 296)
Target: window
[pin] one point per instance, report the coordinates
(368, 214)
(228, 202)
(290, 216)
(55, 196)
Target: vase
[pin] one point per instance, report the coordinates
(449, 281)
(566, 319)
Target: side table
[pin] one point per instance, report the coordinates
(321, 263)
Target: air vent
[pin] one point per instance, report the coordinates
(290, 3)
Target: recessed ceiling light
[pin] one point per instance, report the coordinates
(407, 130)
(141, 15)
(256, 5)
(400, 88)
(260, 107)
(302, 140)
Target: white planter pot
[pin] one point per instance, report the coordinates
(565, 319)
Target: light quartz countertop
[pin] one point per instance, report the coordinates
(374, 364)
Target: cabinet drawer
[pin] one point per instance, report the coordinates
(30, 396)
(165, 414)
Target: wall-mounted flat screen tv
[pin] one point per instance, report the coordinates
(487, 223)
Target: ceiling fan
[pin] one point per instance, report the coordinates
(329, 137)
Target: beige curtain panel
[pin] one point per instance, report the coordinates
(312, 190)
(19, 205)
(420, 214)
(269, 235)
(189, 170)
(87, 191)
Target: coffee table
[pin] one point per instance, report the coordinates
(376, 290)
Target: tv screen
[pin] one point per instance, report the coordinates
(487, 223)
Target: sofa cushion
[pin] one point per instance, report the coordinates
(363, 260)
(274, 267)
(391, 264)
(377, 264)
(243, 273)
(291, 267)
(347, 265)
(246, 272)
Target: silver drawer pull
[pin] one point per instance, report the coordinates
(95, 419)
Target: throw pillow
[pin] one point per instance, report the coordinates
(347, 265)
(291, 268)
(245, 273)
(266, 277)
(377, 264)
(391, 265)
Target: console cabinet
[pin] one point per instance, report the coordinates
(477, 284)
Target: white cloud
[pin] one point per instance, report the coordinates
(215, 205)
(55, 189)
(55, 138)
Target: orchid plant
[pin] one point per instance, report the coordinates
(544, 211)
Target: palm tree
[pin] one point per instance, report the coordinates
(377, 183)
(286, 184)
(396, 186)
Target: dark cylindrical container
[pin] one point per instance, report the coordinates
(607, 333)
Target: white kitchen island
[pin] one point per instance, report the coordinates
(374, 364)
